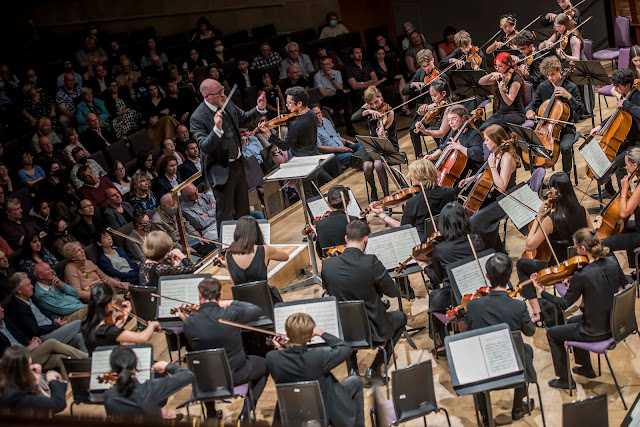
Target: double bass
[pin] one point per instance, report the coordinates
(552, 117)
(452, 162)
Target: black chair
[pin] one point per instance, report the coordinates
(413, 396)
(263, 33)
(236, 38)
(119, 151)
(59, 269)
(92, 252)
(590, 412)
(101, 159)
(357, 332)
(370, 35)
(256, 293)
(251, 95)
(214, 380)
(140, 141)
(119, 241)
(228, 67)
(303, 37)
(301, 403)
(348, 40)
(246, 50)
(79, 384)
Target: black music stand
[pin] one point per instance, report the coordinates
(590, 73)
(530, 143)
(467, 84)
(542, 34)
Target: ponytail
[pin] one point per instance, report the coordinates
(591, 242)
(123, 362)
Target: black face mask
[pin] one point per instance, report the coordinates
(57, 173)
(64, 232)
(82, 160)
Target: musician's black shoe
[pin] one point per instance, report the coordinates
(374, 195)
(585, 372)
(374, 378)
(386, 304)
(560, 383)
(518, 412)
(353, 372)
(605, 195)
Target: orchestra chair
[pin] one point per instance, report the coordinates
(119, 151)
(214, 380)
(622, 36)
(413, 396)
(144, 306)
(605, 91)
(301, 403)
(256, 293)
(636, 254)
(448, 322)
(590, 412)
(623, 323)
(79, 385)
(357, 332)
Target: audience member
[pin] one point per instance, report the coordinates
(94, 188)
(381, 41)
(38, 104)
(66, 205)
(300, 60)
(204, 30)
(142, 199)
(215, 74)
(251, 145)
(85, 229)
(411, 55)
(117, 213)
(93, 105)
(389, 74)
(145, 60)
(127, 77)
(200, 211)
(266, 58)
(6, 185)
(330, 141)
(329, 83)
(80, 159)
(322, 53)
(359, 75)
(41, 213)
(448, 45)
(191, 163)
(275, 99)
(141, 228)
(162, 259)
(90, 51)
(98, 82)
(67, 65)
(408, 28)
(5, 272)
(30, 173)
(55, 298)
(72, 141)
(293, 79)
(168, 177)
(61, 235)
(144, 165)
(66, 100)
(120, 178)
(241, 76)
(218, 53)
(15, 226)
(114, 261)
(48, 155)
(182, 101)
(169, 152)
(181, 79)
(182, 138)
(333, 28)
(32, 253)
(44, 129)
(125, 119)
(193, 61)
(155, 110)
(51, 185)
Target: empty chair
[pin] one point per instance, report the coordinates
(590, 412)
(622, 37)
(301, 403)
(263, 33)
(303, 36)
(140, 141)
(118, 151)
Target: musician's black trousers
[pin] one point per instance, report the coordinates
(558, 335)
(628, 241)
(232, 198)
(567, 136)
(485, 224)
(525, 268)
(502, 119)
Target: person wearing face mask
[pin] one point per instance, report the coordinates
(333, 28)
(218, 57)
(80, 157)
(60, 231)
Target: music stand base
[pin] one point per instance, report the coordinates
(312, 279)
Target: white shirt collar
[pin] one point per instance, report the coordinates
(44, 287)
(211, 106)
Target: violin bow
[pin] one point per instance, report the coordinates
(475, 255)
(567, 34)
(249, 328)
(512, 197)
(522, 29)
(202, 239)
(117, 233)
(118, 307)
(172, 299)
(424, 193)
(278, 114)
(322, 195)
(491, 38)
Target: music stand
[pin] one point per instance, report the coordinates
(590, 73)
(467, 84)
(606, 177)
(542, 34)
(530, 142)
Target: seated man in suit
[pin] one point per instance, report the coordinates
(331, 230)
(30, 320)
(498, 307)
(344, 402)
(205, 332)
(356, 276)
(191, 164)
(117, 213)
(95, 138)
(168, 177)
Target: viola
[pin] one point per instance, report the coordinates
(473, 57)
(612, 223)
(552, 117)
(395, 199)
(421, 252)
(275, 122)
(616, 130)
(335, 251)
(452, 162)
(551, 275)
(483, 181)
(542, 252)
(464, 302)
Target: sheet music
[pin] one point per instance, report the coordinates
(319, 207)
(229, 229)
(324, 313)
(182, 289)
(100, 365)
(520, 215)
(483, 357)
(298, 166)
(394, 247)
(468, 277)
(597, 161)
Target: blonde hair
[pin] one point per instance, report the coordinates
(633, 154)
(462, 38)
(549, 64)
(136, 179)
(299, 328)
(423, 171)
(157, 245)
(424, 55)
(508, 19)
(370, 93)
(591, 242)
(69, 249)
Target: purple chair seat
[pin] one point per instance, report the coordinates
(389, 411)
(528, 124)
(242, 389)
(636, 250)
(443, 318)
(605, 90)
(561, 289)
(606, 54)
(597, 347)
(176, 329)
(484, 103)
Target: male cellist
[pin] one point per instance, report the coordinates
(568, 94)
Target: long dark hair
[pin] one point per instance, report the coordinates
(101, 295)
(123, 361)
(453, 222)
(569, 214)
(27, 253)
(246, 235)
(15, 372)
(633, 52)
(142, 159)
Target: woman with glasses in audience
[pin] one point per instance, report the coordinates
(120, 178)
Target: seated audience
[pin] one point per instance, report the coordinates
(125, 119)
(142, 198)
(169, 151)
(300, 60)
(16, 226)
(411, 55)
(241, 76)
(90, 51)
(41, 213)
(448, 45)
(83, 274)
(216, 74)
(38, 104)
(117, 213)
(408, 28)
(200, 211)
(274, 95)
(333, 28)
(182, 137)
(5, 272)
(266, 58)
(48, 155)
(85, 229)
(114, 261)
(294, 78)
(193, 61)
(329, 83)
(144, 164)
(67, 65)
(359, 74)
(97, 136)
(152, 50)
(251, 145)
(72, 141)
(60, 233)
(98, 82)
(48, 190)
(219, 56)
(127, 77)
(94, 188)
(330, 141)
(204, 30)
(30, 173)
(5, 180)
(162, 259)
(155, 110)
(168, 177)
(157, 71)
(66, 100)
(32, 253)
(389, 74)
(141, 228)
(45, 128)
(80, 158)
(381, 41)
(120, 178)
(182, 80)
(182, 100)
(55, 298)
(93, 105)
(67, 203)
(192, 164)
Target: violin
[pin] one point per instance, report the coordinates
(551, 275)
(506, 78)
(395, 199)
(612, 223)
(464, 302)
(552, 118)
(452, 162)
(335, 251)
(421, 252)
(188, 308)
(473, 57)
(542, 252)
(275, 122)
(616, 130)
(433, 75)
(483, 181)
(384, 118)
(434, 112)
(324, 215)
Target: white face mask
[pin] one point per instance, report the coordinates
(219, 48)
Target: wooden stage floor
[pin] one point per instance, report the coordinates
(285, 229)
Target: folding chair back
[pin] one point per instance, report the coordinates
(301, 403)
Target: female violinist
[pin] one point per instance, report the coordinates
(565, 7)
(571, 46)
(566, 218)
(466, 56)
(508, 101)
(630, 238)
(508, 25)
(421, 172)
(382, 124)
(438, 126)
(469, 143)
(502, 165)
(162, 259)
(331, 229)
(568, 94)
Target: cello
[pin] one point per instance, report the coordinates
(616, 130)
(552, 117)
(452, 162)
(612, 223)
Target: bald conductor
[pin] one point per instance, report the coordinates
(219, 140)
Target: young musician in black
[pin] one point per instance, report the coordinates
(356, 276)
(530, 67)
(498, 307)
(565, 7)
(596, 283)
(331, 229)
(439, 93)
(508, 85)
(568, 94)
(463, 40)
(572, 44)
(508, 25)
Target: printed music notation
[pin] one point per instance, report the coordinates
(185, 289)
(318, 207)
(520, 215)
(298, 167)
(229, 229)
(468, 277)
(394, 246)
(323, 313)
(597, 161)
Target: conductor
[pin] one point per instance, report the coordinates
(218, 137)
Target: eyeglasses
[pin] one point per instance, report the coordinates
(87, 206)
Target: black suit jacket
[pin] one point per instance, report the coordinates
(115, 219)
(356, 276)
(22, 316)
(187, 169)
(93, 142)
(161, 185)
(299, 363)
(448, 252)
(214, 149)
(205, 332)
(596, 283)
(331, 230)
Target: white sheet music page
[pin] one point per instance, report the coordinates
(323, 313)
(499, 354)
(319, 207)
(298, 166)
(520, 215)
(468, 360)
(182, 289)
(468, 277)
(394, 247)
(597, 161)
(229, 229)
(100, 365)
